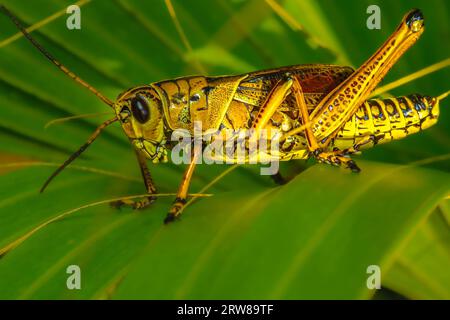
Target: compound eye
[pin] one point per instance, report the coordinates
(140, 110)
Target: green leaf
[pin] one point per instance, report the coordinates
(312, 238)
(421, 269)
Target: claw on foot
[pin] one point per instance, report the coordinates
(135, 204)
(278, 179)
(170, 217)
(175, 211)
(353, 167)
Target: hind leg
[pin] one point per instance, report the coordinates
(339, 158)
(342, 157)
(336, 157)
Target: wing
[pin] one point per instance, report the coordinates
(317, 80)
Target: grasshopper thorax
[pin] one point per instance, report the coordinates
(141, 116)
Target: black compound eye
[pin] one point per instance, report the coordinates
(140, 110)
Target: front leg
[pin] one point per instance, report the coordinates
(149, 185)
(180, 201)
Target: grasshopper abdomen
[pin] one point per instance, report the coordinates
(389, 119)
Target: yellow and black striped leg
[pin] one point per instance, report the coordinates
(180, 201)
(339, 158)
(149, 185)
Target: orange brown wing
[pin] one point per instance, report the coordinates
(316, 80)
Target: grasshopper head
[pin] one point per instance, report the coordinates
(140, 113)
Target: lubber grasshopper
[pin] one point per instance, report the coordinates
(322, 110)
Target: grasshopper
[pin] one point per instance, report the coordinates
(321, 110)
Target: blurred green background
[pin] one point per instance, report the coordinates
(311, 238)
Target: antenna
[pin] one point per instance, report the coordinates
(79, 151)
(70, 118)
(69, 73)
(58, 64)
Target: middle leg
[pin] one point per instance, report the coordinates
(149, 185)
(180, 201)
